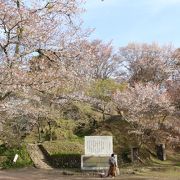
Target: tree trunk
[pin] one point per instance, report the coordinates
(103, 112)
(50, 131)
(39, 133)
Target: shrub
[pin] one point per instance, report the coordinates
(22, 161)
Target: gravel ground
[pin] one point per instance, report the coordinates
(37, 174)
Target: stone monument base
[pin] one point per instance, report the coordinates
(101, 162)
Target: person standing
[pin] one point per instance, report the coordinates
(112, 166)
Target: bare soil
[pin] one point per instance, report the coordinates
(37, 174)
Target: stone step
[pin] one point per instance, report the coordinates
(37, 157)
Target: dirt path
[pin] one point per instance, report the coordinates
(37, 174)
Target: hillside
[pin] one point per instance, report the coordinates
(79, 120)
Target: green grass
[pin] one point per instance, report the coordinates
(166, 174)
(172, 160)
(9, 153)
(73, 146)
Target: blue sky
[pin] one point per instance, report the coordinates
(125, 21)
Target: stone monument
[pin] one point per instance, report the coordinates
(161, 154)
(98, 149)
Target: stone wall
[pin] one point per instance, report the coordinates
(65, 161)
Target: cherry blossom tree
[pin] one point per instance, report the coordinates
(26, 30)
(146, 107)
(96, 60)
(173, 84)
(147, 62)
